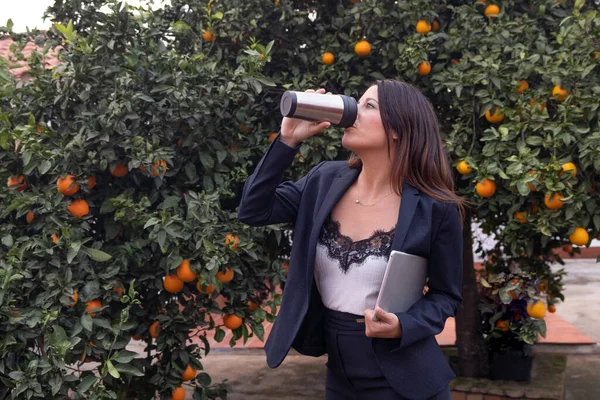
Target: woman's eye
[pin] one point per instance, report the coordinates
(370, 105)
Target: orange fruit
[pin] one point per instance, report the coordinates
(327, 58)
(502, 325)
(188, 374)
(79, 208)
(520, 216)
(184, 272)
(487, 188)
(362, 48)
(569, 167)
(496, 118)
(492, 11)
(54, 237)
(154, 329)
(232, 321)
(209, 288)
(424, 68)
(536, 310)
(580, 237)
(552, 308)
(91, 180)
(559, 93)
(67, 186)
(29, 217)
(119, 170)
(92, 305)
(534, 104)
(252, 305)
(567, 248)
(75, 298)
(454, 61)
(158, 166)
(17, 182)
(435, 26)
(553, 201)
(173, 284)
(208, 36)
(245, 129)
(179, 393)
(530, 185)
(225, 277)
(232, 238)
(272, 137)
(137, 336)
(464, 168)
(118, 289)
(522, 86)
(423, 27)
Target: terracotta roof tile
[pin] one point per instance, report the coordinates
(18, 68)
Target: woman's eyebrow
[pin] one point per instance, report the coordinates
(369, 98)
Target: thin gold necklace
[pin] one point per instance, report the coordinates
(357, 201)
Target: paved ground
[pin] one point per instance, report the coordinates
(582, 309)
(304, 377)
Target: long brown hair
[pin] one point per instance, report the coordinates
(419, 158)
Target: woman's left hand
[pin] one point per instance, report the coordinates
(388, 326)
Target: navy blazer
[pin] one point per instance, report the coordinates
(414, 364)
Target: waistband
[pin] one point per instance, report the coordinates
(344, 321)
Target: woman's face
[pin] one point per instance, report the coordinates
(367, 133)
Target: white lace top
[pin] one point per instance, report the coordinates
(349, 274)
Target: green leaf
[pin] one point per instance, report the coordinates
(86, 383)
(144, 97)
(98, 255)
(124, 356)
(217, 15)
(112, 370)
(86, 322)
(73, 251)
(44, 166)
(7, 240)
(129, 370)
(219, 335)
(151, 222)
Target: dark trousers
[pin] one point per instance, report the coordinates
(352, 369)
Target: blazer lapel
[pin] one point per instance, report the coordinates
(408, 205)
(338, 187)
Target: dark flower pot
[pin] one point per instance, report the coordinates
(511, 365)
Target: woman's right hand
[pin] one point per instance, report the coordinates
(295, 131)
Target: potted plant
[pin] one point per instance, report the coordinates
(516, 293)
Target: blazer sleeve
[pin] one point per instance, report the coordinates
(427, 316)
(265, 199)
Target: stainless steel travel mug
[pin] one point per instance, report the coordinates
(338, 109)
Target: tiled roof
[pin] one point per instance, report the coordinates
(19, 68)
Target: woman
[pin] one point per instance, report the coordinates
(395, 193)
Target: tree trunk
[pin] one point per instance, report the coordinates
(472, 354)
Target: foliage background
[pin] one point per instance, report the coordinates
(137, 86)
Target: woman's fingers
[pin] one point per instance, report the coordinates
(316, 127)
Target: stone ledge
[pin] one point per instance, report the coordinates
(547, 383)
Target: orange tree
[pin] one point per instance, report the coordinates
(159, 116)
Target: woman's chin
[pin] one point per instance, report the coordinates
(347, 142)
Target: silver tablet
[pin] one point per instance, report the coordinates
(403, 282)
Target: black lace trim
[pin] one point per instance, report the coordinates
(343, 249)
